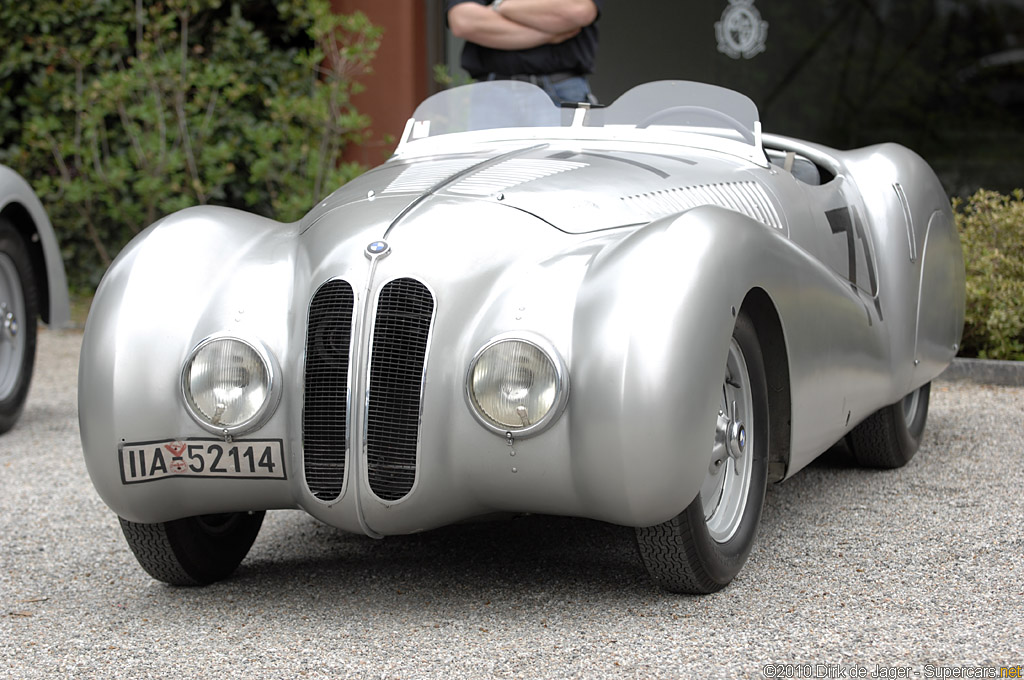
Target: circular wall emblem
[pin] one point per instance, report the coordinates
(741, 33)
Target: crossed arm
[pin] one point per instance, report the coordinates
(521, 24)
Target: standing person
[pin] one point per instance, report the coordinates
(551, 43)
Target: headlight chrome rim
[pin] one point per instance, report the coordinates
(559, 402)
(273, 386)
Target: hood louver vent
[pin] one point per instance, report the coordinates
(746, 198)
(511, 173)
(425, 176)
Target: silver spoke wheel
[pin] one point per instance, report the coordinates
(701, 549)
(726, 488)
(12, 312)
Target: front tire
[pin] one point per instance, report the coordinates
(890, 436)
(193, 551)
(18, 311)
(703, 548)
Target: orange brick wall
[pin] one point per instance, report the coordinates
(400, 72)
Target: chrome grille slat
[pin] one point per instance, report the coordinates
(325, 401)
(405, 310)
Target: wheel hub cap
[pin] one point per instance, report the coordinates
(731, 440)
(737, 439)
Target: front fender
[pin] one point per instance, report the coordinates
(651, 337)
(197, 272)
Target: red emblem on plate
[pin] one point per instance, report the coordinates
(177, 465)
(176, 448)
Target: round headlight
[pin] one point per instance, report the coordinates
(516, 385)
(228, 385)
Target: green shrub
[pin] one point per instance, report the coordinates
(992, 232)
(121, 111)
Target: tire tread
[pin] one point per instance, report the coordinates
(184, 552)
(884, 441)
(154, 552)
(661, 547)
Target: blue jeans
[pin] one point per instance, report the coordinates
(570, 90)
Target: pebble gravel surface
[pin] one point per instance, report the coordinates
(917, 572)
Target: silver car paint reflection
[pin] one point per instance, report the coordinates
(629, 249)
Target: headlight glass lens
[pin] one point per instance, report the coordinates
(226, 383)
(513, 384)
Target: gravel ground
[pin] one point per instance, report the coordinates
(919, 569)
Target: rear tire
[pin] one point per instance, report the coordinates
(702, 549)
(18, 312)
(193, 551)
(890, 436)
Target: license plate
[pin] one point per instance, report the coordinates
(240, 459)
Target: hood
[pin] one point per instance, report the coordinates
(572, 189)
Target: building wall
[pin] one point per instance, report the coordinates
(944, 78)
(401, 76)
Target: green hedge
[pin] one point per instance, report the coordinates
(121, 111)
(992, 232)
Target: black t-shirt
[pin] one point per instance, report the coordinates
(576, 55)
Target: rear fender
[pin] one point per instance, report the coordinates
(941, 300)
(920, 263)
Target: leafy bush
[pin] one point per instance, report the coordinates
(120, 112)
(992, 232)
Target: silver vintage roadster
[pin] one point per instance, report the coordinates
(32, 286)
(640, 314)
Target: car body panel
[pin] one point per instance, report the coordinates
(19, 203)
(628, 250)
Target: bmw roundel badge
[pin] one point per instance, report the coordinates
(377, 249)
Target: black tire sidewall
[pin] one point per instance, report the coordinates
(209, 555)
(723, 561)
(885, 440)
(13, 246)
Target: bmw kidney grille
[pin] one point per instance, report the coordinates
(398, 349)
(325, 409)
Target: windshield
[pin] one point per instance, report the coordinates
(512, 104)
